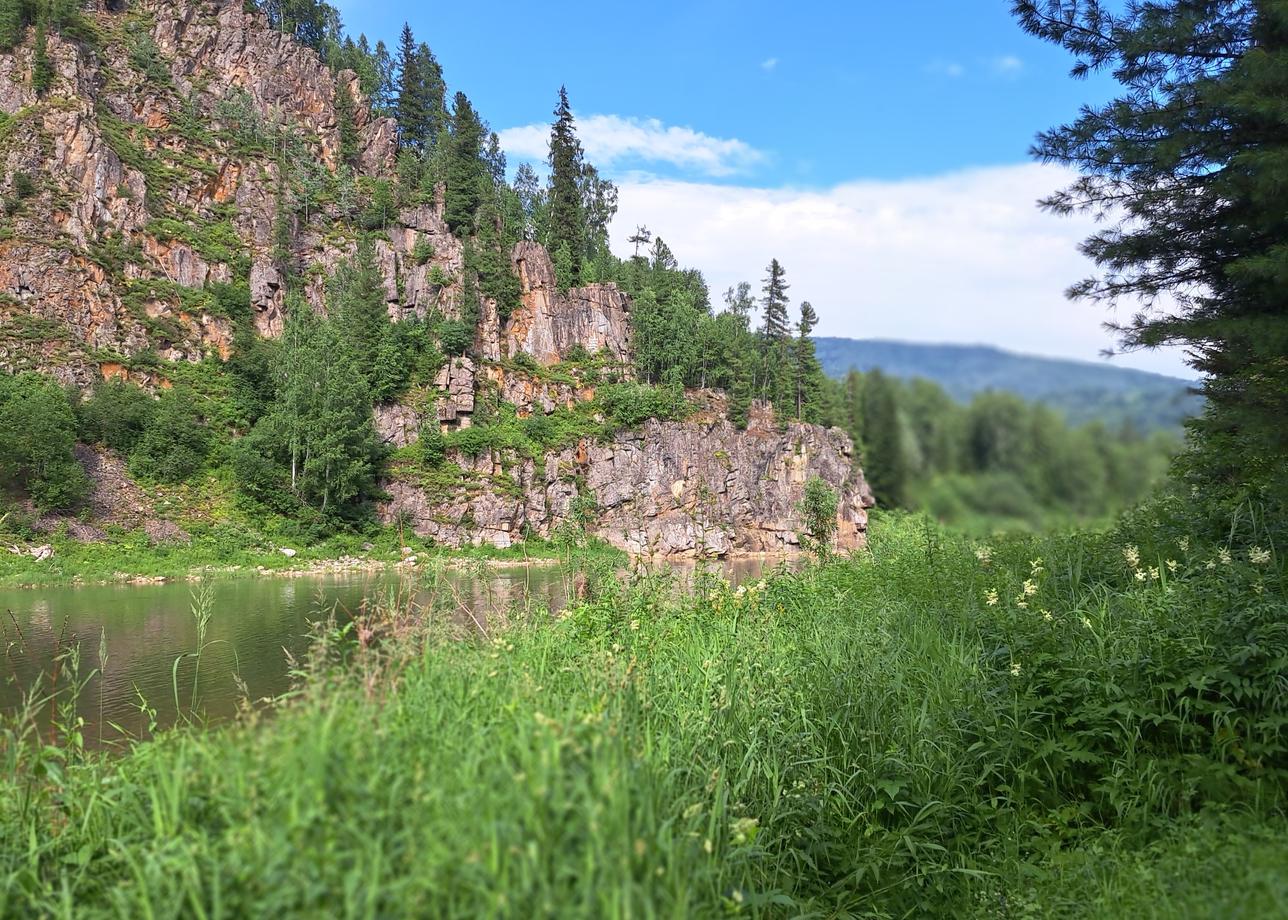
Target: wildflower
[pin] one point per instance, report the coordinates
(1140, 575)
(692, 811)
(761, 585)
(1172, 566)
(744, 830)
(706, 845)
(1211, 564)
(990, 597)
(1184, 543)
(1015, 669)
(635, 625)
(1021, 603)
(1035, 567)
(1258, 556)
(1153, 573)
(1132, 555)
(1046, 615)
(984, 554)
(1086, 622)
(1223, 555)
(1030, 588)
(737, 896)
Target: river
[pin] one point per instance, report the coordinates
(256, 626)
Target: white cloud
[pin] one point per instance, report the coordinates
(769, 63)
(965, 257)
(946, 69)
(617, 141)
(1008, 65)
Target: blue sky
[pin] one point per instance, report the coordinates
(879, 150)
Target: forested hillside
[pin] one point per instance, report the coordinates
(1083, 392)
(288, 274)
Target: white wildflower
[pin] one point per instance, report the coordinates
(1223, 556)
(990, 597)
(984, 554)
(1132, 555)
(1172, 566)
(1015, 669)
(1258, 556)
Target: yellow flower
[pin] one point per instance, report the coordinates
(1086, 622)
(1172, 566)
(1021, 603)
(1030, 588)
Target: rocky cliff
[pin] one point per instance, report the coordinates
(147, 180)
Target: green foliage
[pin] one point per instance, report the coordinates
(455, 336)
(869, 737)
(315, 447)
(629, 405)
(175, 443)
(116, 414)
(42, 72)
(37, 437)
(1187, 168)
(566, 231)
(818, 511)
(998, 462)
(422, 252)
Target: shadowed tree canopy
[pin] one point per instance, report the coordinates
(1189, 169)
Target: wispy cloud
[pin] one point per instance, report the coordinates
(1006, 65)
(965, 257)
(620, 142)
(769, 63)
(942, 68)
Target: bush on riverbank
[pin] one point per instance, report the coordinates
(1075, 726)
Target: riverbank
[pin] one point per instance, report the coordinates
(1086, 725)
(232, 550)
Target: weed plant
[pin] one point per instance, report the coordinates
(1082, 725)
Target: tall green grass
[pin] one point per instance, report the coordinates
(875, 737)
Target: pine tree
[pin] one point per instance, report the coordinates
(885, 459)
(809, 373)
(346, 127)
(774, 325)
(567, 228)
(411, 109)
(15, 16)
(466, 173)
(1188, 168)
(42, 72)
(358, 302)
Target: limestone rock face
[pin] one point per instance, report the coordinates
(129, 190)
(674, 489)
(550, 324)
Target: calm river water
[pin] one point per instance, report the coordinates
(256, 624)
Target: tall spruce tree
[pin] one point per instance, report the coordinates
(412, 107)
(466, 173)
(567, 220)
(1188, 168)
(809, 373)
(775, 325)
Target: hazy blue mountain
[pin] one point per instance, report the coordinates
(1082, 390)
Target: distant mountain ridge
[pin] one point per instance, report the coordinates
(1083, 391)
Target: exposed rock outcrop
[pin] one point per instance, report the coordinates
(155, 172)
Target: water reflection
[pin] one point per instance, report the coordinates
(257, 626)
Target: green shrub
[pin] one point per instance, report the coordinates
(37, 441)
(176, 442)
(455, 336)
(116, 415)
(629, 405)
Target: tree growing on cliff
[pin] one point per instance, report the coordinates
(421, 109)
(465, 174)
(1188, 168)
(567, 219)
(808, 373)
(818, 511)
